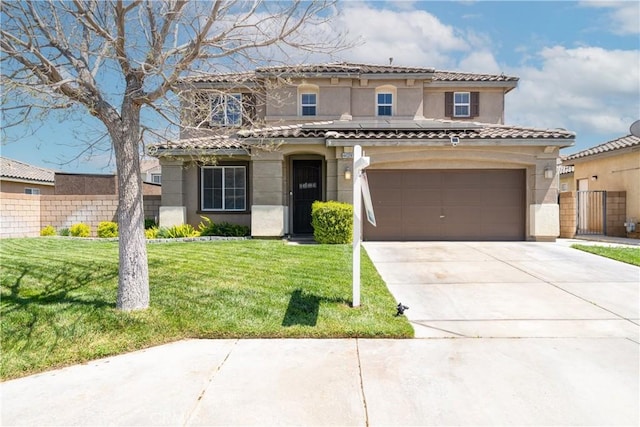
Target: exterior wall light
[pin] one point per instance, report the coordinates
(347, 173)
(548, 172)
(594, 178)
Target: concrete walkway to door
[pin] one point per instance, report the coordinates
(510, 290)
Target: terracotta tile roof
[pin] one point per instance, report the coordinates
(214, 142)
(616, 144)
(343, 67)
(455, 76)
(352, 69)
(412, 129)
(427, 129)
(565, 169)
(14, 169)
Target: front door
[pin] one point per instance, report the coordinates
(307, 188)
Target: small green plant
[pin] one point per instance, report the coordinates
(48, 231)
(63, 232)
(107, 229)
(80, 230)
(177, 231)
(332, 222)
(151, 233)
(150, 223)
(226, 229)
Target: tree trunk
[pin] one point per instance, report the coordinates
(133, 283)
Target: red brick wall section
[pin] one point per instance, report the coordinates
(25, 215)
(616, 213)
(568, 214)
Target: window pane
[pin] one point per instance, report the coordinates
(385, 98)
(384, 110)
(308, 98)
(462, 110)
(461, 97)
(308, 110)
(217, 110)
(234, 109)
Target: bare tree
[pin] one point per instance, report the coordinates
(111, 58)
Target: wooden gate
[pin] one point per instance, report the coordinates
(591, 212)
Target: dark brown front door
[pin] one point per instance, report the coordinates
(307, 188)
(447, 204)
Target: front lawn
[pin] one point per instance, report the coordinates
(58, 298)
(624, 254)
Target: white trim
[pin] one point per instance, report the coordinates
(224, 188)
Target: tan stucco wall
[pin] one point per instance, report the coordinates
(491, 103)
(269, 178)
(615, 173)
(18, 187)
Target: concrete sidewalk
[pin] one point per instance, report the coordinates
(515, 333)
(340, 382)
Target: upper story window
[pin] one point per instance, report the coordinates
(156, 178)
(33, 191)
(223, 188)
(308, 95)
(384, 104)
(308, 104)
(461, 104)
(226, 109)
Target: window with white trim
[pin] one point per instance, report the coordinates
(34, 191)
(384, 104)
(226, 109)
(156, 178)
(223, 188)
(461, 104)
(308, 104)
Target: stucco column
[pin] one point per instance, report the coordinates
(268, 212)
(544, 211)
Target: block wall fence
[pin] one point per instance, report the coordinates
(24, 215)
(616, 207)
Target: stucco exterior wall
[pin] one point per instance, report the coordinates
(19, 187)
(619, 172)
(491, 103)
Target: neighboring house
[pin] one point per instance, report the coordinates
(151, 170)
(95, 184)
(19, 177)
(258, 148)
(612, 166)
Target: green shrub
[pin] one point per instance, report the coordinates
(177, 231)
(151, 233)
(80, 230)
(332, 222)
(226, 229)
(63, 231)
(150, 223)
(107, 229)
(48, 231)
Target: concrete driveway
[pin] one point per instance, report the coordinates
(510, 290)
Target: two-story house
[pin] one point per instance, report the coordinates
(258, 148)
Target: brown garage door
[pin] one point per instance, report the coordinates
(447, 204)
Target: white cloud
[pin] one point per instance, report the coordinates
(588, 89)
(624, 16)
(410, 37)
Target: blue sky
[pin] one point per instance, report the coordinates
(578, 64)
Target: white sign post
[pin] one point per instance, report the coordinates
(359, 184)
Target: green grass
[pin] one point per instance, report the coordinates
(58, 297)
(624, 254)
